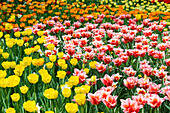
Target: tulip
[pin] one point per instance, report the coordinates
(110, 101)
(130, 106)
(154, 100)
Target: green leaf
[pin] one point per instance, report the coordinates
(167, 106)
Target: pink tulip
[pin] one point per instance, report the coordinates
(101, 67)
(117, 61)
(130, 106)
(154, 100)
(107, 59)
(154, 88)
(130, 82)
(143, 83)
(95, 99)
(140, 99)
(110, 101)
(107, 80)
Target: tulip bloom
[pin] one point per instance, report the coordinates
(154, 88)
(110, 101)
(140, 99)
(117, 61)
(101, 67)
(130, 82)
(130, 106)
(154, 100)
(95, 99)
(107, 80)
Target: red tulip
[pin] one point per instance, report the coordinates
(81, 74)
(118, 50)
(103, 49)
(107, 80)
(141, 91)
(110, 47)
(116, 77)
(83, 42)
(140, 99)
(154, 100)
(130, 82)
(71, 50)
(154, 37)
(110, 101)
(129, 71)
(100, 56)
(143, 83)
(130, 106)
(67, 23)
(114, 41)
(135, 52)
(154, 44)
(101, 67)
(162, 46)
(89, 56)
(160, 27)
(76, 34)
(107, 59)
(117, 61)
(51, 22)
(95, 99)
(161, 74)
(147, 71)
(167, 62)
(154, 88)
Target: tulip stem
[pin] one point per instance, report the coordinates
(56, 108)
(112, 111)
(82, 109)
(156, 110)
(96, 108)
(163, 82)
(20, 53)
(138, 59)
(52, 104)
(12, 56)
(143, 109)
(53, 74)
(92, 109)
(8, 101)
(3, 99)
(130, 92)
(92, 88)
(151, 110)
(29, 70)
(35, 93)
(17, 106)
(24, 97)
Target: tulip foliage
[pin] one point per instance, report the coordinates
(59, 56)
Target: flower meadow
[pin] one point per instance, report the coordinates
(85, 56)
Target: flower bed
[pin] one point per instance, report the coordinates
(65, 56)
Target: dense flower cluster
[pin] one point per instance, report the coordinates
(89, 56)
